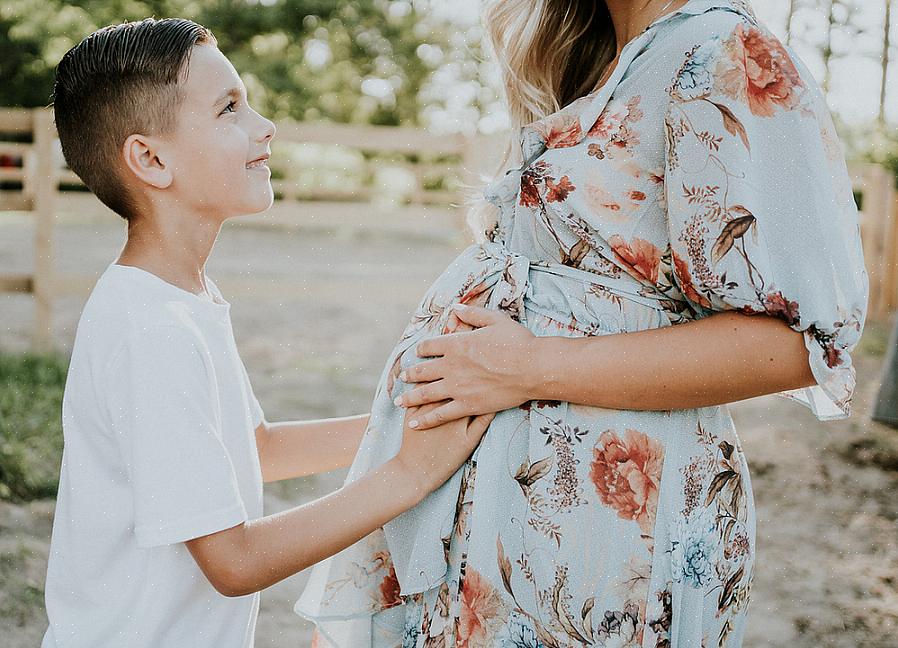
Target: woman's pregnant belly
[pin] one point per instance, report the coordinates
(564, 484)
(550, 300)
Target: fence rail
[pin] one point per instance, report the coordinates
(38, 182)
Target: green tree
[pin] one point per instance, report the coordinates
(358, 61)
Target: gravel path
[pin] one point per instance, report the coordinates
(314, 341)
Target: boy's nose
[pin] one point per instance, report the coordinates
(269, 128)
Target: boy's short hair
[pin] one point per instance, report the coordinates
(120, 80)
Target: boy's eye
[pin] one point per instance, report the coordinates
(230, 106)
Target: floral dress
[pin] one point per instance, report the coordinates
(704, 176)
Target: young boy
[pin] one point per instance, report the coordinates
(159, 539)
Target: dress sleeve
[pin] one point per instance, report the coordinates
(761, 215)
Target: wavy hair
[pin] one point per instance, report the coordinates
(549, 52)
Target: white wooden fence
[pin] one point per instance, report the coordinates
(441, 165)
(454, 158)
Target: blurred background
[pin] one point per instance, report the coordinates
(388, 114)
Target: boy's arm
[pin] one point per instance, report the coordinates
(297, 448)
(258, 553)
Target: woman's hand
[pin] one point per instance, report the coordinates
(477, 372)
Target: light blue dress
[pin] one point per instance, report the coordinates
(705, 175)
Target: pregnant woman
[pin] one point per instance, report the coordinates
(681, 234)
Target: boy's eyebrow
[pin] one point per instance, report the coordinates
(232, 93)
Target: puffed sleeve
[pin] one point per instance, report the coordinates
(761, 215)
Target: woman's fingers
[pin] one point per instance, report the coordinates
(455, 325)
(426, 371)
(451, 323)
(448, 412)
(431, 392)
(477, 316)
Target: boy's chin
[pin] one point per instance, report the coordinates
(255, 204)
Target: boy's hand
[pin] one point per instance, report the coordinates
(430, 457)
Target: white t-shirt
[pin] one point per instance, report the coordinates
(158, 420)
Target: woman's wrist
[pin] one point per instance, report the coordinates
(555, 362)
(542, 375)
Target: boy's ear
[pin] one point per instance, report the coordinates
(141, 155)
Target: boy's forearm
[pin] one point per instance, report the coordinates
(277, 546)
(298, 448)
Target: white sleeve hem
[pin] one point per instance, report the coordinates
(816, 400)
(259, 418)
(190, 527)
(830, 398)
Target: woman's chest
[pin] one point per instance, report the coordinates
(594, 197)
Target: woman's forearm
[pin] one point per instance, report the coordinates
(723, 358)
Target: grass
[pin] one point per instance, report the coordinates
(22, 597)
(31, 388)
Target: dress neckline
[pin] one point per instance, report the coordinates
(578, 117)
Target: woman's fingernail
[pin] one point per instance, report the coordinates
(398, 401)
(403, 376)
(413, 424)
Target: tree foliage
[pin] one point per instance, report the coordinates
(357, 61)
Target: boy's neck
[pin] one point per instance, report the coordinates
(174, 249)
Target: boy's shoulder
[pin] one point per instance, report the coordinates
(128, 305)
(123, 297)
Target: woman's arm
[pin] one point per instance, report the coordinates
(723, 358)
(297, 448)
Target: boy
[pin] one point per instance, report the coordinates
(158, 538)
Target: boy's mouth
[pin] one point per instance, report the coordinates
(261, 161)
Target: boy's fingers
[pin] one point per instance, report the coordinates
(478, 426)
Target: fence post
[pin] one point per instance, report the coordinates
(876, 183)
(890, 249)
(45, 191)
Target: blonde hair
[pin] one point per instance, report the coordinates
(549, 52)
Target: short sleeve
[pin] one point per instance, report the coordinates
(761, 215)
(164, 408)
(254, 407)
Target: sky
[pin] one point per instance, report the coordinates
(854, 94)
(856, 68)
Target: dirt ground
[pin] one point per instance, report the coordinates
(314, 341)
